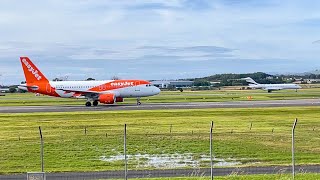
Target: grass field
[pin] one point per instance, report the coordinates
(246, 177)
(29, 99)
(69, 148)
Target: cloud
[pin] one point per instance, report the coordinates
(191, 53)
(173, 5)
(190, 37)
(316, 42)
(212, 49)
(151, 53)
(151, 6)
(209, 49)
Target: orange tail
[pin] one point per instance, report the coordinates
(31, 72)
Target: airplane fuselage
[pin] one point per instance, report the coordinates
(106, 92)
(274, 87)
(124, 89)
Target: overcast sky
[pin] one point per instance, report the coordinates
(158, 39)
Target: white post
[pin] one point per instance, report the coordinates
(211, 154)
(293, 163)
(125, 152)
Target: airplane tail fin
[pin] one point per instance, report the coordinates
(31, 72)
(250, 80)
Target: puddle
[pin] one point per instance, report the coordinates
(172, 160)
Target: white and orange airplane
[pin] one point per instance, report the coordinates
(106, 92)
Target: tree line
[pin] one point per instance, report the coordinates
(260, 77)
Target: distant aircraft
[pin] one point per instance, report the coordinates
(106, 92)
(270, 87)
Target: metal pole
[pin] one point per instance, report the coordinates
(125, 152)
(293, 163)
(41, 151)
(211, 158)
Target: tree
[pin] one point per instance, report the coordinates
(22, 91)
(201, 82)
(115, 78)
(57, 79)
(12, 90)
(90, 79)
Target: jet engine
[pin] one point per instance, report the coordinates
(107, 98)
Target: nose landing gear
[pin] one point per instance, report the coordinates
(138, 101)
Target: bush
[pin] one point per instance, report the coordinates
(12, 90)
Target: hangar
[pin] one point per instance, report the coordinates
(172, 83)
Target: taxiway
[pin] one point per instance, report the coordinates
(155, 106)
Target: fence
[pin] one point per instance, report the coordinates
(163, 150)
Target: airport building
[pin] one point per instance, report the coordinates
(312, 81)
(167, 84)
(4, 90)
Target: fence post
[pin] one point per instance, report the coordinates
(125, 152)
(211, 154)
(293, 163)
(41, 149)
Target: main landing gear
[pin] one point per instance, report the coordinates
(138, 101)
(94, 103)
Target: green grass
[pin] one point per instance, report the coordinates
(67, 148)
(310, 176)
(29, 99)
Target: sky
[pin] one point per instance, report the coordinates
(157, 39)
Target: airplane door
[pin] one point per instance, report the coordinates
(48, 88)
(137, 87)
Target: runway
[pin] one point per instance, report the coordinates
(155, 106)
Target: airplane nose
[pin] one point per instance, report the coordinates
(156, 90)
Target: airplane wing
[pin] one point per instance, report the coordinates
(79, 91)
(272, 88)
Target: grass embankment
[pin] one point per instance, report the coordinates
(29, 99)
(68, 148)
